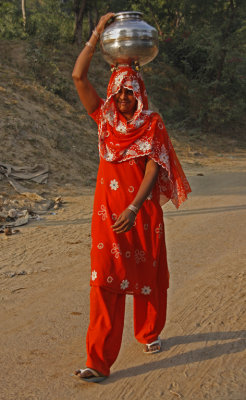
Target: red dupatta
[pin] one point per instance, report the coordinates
(143, 135)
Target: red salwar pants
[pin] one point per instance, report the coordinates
(105, 330)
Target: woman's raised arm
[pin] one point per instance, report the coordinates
(86, 91)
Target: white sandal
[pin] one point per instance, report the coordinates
(96, 377)
(149, 345)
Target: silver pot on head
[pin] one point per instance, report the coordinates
(129, 40)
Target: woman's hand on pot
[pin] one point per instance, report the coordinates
(102, 22)
(124, 222)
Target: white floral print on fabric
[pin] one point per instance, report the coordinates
(114, 217)
(102, 181)
(124, 284)
(93, 275)
(135, 85)
(164, 156)
(109, 109)
(130, 153)
(100, 246)
(110, 279)
(131, 189)
(147, 112)
(114, 184)
(109, 155)
(145, 290)
(159, 230)
(122, 128)
(154, 140)
(128, 254)
(118, 81)
(116, 250)
(103, 212)
(139, 256)
(132, 162)
(139, 122)
(143, 145)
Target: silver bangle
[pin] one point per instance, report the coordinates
(90, 45)
(96, 33)
(133, 208)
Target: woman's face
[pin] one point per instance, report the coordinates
(126, 102)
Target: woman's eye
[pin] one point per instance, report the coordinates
(128, 92)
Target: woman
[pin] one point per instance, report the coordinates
(138, 167)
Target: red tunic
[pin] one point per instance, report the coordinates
(133, 262)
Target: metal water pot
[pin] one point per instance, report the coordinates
(128, 39)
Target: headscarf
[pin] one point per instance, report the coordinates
(143, 135)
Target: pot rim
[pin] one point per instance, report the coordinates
(124, 14)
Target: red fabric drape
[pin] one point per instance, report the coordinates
(144, 135)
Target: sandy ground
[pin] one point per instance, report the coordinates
(44, 312)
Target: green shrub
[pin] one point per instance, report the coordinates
(11, 24)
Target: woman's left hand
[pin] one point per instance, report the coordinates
(124, 222)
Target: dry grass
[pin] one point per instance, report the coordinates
(38, 126)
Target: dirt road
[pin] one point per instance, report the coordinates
(44, 309)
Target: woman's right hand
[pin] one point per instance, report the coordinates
(102, 22)
(124, 222)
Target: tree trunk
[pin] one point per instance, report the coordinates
(91, 24)
(23, 13)
(155, 18)
(97, 12)
(79, 8)
(226, 34)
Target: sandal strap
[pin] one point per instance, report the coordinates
(93, 371)
(156, 342)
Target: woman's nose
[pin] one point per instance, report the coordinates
(123, 94)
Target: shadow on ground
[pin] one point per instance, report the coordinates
(198, 355)
(200, 211)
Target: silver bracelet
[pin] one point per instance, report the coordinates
(90, 45)
(96, 33)
(133, 208)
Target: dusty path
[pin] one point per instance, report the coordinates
(44, 313)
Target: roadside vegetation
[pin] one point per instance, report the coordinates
(198, 79)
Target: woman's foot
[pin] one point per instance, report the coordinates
(90, 375)
(154, 347)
